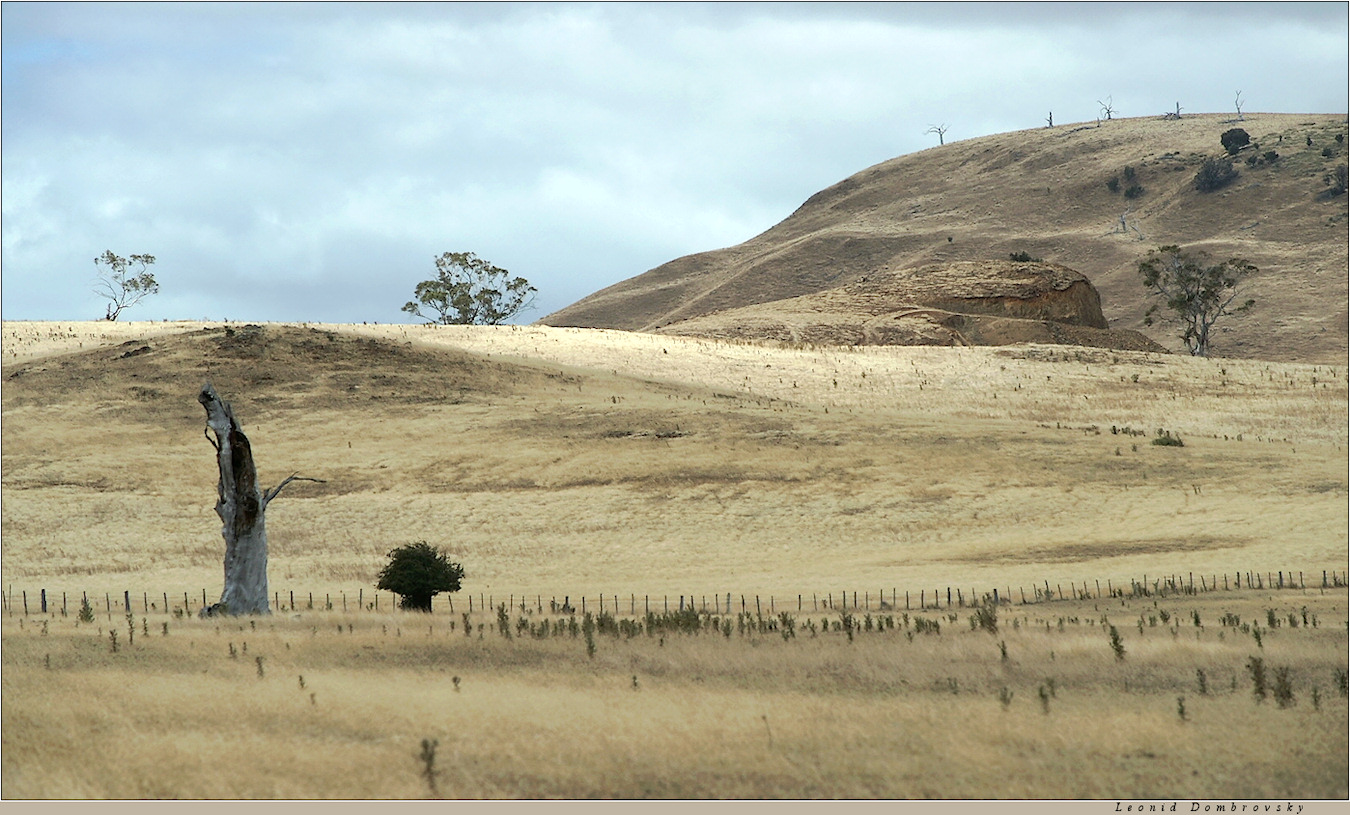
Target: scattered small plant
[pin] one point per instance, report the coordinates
(429, 771)
(112, 639)
(1116, 645)
(1283, 689)
(1257, 668)
(1181, 708)
(1045, 699)
(1201, 681)
(1005, 696)
(86, 614)
(1023, 257)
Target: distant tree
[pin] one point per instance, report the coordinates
(469, 291)
(1234, 140)
(122, 288)
(1196, 291)
(940, 130)
(1215, 174)
(1050, 119)
(1107, 108)
(1237, 101)
(417, 572)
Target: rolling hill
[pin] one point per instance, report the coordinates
(1050, 193)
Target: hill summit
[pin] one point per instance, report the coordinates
(1090, 198)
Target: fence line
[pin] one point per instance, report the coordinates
(840, 601)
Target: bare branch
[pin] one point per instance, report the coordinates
(268, 495)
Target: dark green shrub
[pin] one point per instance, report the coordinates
(1327, 152)
(1113, 183)
(417, 572)
(1128, 172)
(1215, 174)
(1023, 257)
(1234, 140)
(1271, 156)
(1134, 191)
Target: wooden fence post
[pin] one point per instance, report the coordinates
(126, 600)
(25, 602)
(44, 601)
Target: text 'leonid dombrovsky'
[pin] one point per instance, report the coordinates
(1196, 806)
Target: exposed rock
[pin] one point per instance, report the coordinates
(963, 303)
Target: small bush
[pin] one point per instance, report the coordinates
(1337, 180)
(1283, 689)
(1113, 183)
(1327, 152)
(1116, 645)
(1134, 191)
(417, 572)
(1166, 439)
(1256, 667)
(1234, 140)
(1023, 257)
(1215, 174)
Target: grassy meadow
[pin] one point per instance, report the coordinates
(573, 463)
(908, 705)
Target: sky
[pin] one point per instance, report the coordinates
(309, 161)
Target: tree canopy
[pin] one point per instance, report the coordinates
(116, 283)
(418, 572)
(1196, 291)
(469, 291)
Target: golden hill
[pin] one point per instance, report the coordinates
(1046, 192)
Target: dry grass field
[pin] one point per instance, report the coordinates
(565, 462)
(326, 705)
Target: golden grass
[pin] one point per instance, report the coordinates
(891, 714)
(561, 462)
(925, 468)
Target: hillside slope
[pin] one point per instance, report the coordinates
(1045, 192)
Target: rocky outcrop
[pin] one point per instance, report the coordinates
(962, 303)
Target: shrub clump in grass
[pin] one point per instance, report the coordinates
(1257, 668)
(1166, 439)
(1116, 644)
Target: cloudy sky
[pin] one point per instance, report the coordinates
(308, 161)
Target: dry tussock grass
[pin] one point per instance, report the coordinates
(747, 716)
(635, 464)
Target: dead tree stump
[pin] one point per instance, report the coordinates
(242, 507)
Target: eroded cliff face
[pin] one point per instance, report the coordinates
(961, 303)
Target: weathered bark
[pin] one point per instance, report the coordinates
(242, 508)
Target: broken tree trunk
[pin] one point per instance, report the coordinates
(241, 507)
